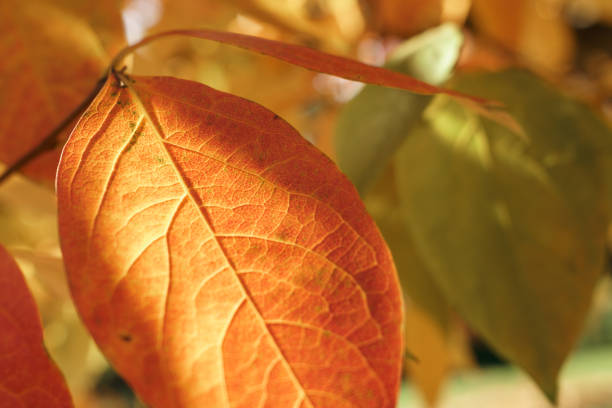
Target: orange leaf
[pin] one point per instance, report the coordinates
(219, 259)
(28, 378)
(51, 61)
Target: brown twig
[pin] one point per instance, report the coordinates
(50, 141)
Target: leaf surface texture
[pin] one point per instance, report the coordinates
(219, 259)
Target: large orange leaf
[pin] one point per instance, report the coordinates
(219, 259)
(28, 378)
(51, 61)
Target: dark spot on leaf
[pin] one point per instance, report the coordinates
(125, 337)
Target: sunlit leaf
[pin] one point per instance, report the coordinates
(28, 378)
(219, 259)
(374, 124)
(52, 61)
(512, 229)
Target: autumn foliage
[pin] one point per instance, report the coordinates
(219, 259)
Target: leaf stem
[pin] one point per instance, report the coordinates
(50, 141)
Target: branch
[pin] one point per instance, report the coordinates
(50, 141)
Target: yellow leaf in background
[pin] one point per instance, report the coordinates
(336, 25)
(436, 353)
(426, 341)
(534, 29)
(104, 17)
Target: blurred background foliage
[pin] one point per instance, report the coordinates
(501, 238)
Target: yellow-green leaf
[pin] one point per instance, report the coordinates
(511, 228)
(372, 127)
(375, 122)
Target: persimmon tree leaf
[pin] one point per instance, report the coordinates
(51, 62)
(28, 377)
(374, 124)
(219, 259)
(512, 229)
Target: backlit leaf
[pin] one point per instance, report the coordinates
(28, 378)
(51, 62)
(512, 229)
(219, 259)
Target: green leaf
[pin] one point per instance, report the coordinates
(512, 228)
(374, 124)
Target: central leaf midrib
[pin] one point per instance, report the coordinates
(159, 135)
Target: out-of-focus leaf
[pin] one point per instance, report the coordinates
(28, 220)
(429, 344)
(219, 259)
(371, 127)
(478, 54)
(336, 25)
(28, 215)
(512, 229)
(28, 378)
(533, 29)
(403, 17)
(104, 17)
(374, 124)
(51, 62)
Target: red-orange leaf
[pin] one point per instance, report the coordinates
(220, 260)
(313, 60)
(28, 378)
